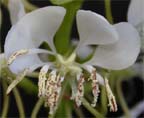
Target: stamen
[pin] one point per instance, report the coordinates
(53, 89)
(111, 97)
(95, 87)
(80, 90)
(74, 88)
(17, 80)
(16, 54)
(42, 80)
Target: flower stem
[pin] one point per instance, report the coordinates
(103, 100)
(6, 101)
(37, 108)
(79, 112)
(62, 36)
(108, 11)
(121, 99)
(68, 111)
(19, 102)
(91, 109)
(4, 2)
(33, 75)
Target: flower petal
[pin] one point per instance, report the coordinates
(94, 29)
(25, 62)
(100, 79)
(17, 38)
(34, 28)
(135, 12)
(17, 10)
(43, 23)
(84, 51)
(15, 41)
(121, 54)
(29, 60)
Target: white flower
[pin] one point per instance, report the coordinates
(16, 9)
(136, 17)
(117, 48)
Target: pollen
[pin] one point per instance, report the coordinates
(50, 87)
(111, 98)
(16, 54)
(95, 87)
(42, 81)
(80, 90)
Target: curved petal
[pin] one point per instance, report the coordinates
(94, 29)
(15, 41)
(29, 60)
(100, 79)
(17, 10)
(83, 51)
(43, 23)
(17, 38)
(135, 12)
(36, 27)
(121, 54)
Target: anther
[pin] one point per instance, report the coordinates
(53, 89)
(111, 98)
(95, 87)
(16, 54)
(80, 90)
(42, 80)
(17, 80)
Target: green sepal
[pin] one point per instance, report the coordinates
(60, 2)
(63, 35)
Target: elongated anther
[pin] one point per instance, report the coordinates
(19, 78)
(111, 98)
(95, 87)
(16, 54)
(42, 80)
(80, 90)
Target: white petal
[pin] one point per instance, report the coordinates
(17, 10)
(29, 60)
(84, 51)
(121, 54)
(34, 28)
(43, 23)
(100, 79)
(25, 62)
(138, 68)
(18, 38)
(135, 12)
(94, 29)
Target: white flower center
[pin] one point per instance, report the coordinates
(66, 65)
